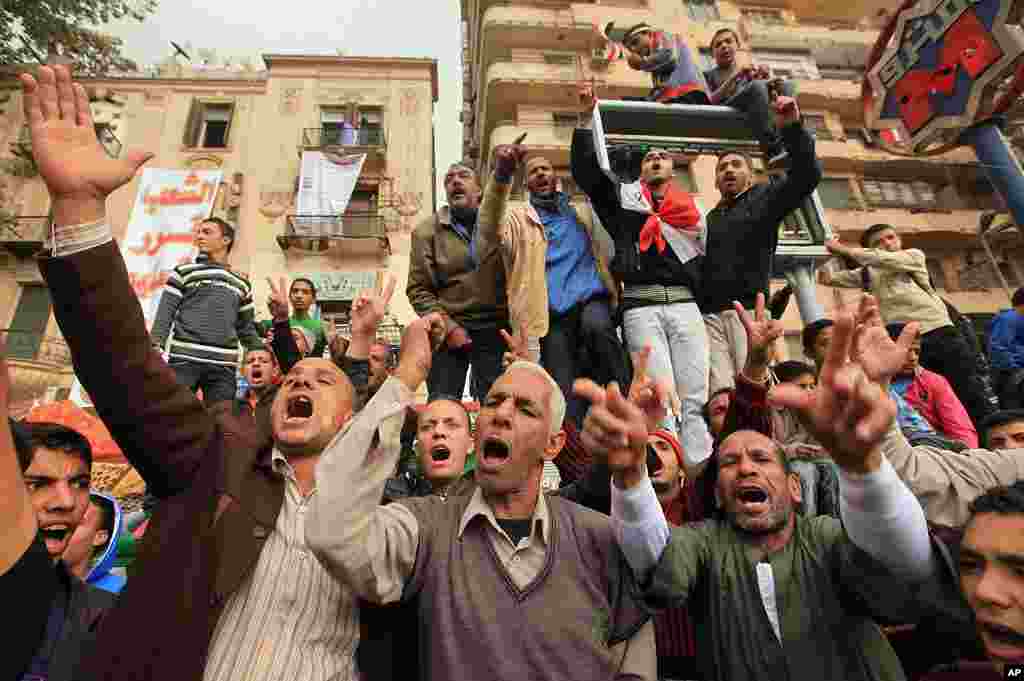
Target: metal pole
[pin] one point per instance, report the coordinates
(801, 277)
(999, 162)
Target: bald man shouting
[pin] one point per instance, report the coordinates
(561, 295)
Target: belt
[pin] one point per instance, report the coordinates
(657, 293)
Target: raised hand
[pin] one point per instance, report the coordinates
(879, 356)
(370, 306)
(70, 160)
(616, 429)
(277, 303)
(587, 98)
(762, 332)
(417, 351)
(508, 157)
(518, 349)
(787, 111)
(654, 398)
(849, 413)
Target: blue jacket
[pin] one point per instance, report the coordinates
(1006, 341)
(100, 575)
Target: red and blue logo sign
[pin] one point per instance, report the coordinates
(941, 62)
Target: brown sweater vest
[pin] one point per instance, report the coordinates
(474, 623)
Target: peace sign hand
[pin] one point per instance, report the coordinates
(370, 306)
(68, 155)
(655, 398)
(277, 303)
(762, 332)
(518, 348)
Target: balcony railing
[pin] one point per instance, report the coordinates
(36, 346)
(338, 137)
(23, 236)
(320, 232)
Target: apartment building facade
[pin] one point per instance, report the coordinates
(253, 125)
(524, 60)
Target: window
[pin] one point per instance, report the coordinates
(892, 193)
(333, 123)
(371, 126)
(817, 124)
(788, 64)
(29, 323)
(208, 125)
(837, 194)
(702, 10)
(764, 17)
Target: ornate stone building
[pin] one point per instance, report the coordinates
(253, 125)
(525, 59)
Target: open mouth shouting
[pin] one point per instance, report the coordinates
(752, 499)
(1002, 642)
(440, 453)
(494, 453)
(55, 536)
(299, 409)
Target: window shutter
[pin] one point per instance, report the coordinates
(192, 124)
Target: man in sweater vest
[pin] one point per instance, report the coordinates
(512, 584)
(205, 310)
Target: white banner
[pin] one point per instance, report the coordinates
(326, 183)
(169, 205)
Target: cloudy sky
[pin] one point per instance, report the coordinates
(377, 28)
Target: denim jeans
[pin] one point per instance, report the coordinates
(583, 343)
(448, 371)
(679, 352)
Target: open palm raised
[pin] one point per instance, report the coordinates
(69, 157)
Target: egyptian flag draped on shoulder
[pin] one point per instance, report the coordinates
(677, 223)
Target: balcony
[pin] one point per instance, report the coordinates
(23, 236)
(35, 346)
(355, 140)
(324, 233)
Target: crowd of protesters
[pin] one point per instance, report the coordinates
(644, 493)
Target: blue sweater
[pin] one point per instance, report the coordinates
(570, 270)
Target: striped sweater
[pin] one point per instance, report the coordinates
(205, 311)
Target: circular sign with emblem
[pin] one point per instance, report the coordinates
(937, 67)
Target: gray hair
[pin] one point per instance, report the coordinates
(556, 401)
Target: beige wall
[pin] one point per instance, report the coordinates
(271, 108)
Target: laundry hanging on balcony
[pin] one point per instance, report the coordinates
(326, 183)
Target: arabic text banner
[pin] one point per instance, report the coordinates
(170, 203)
